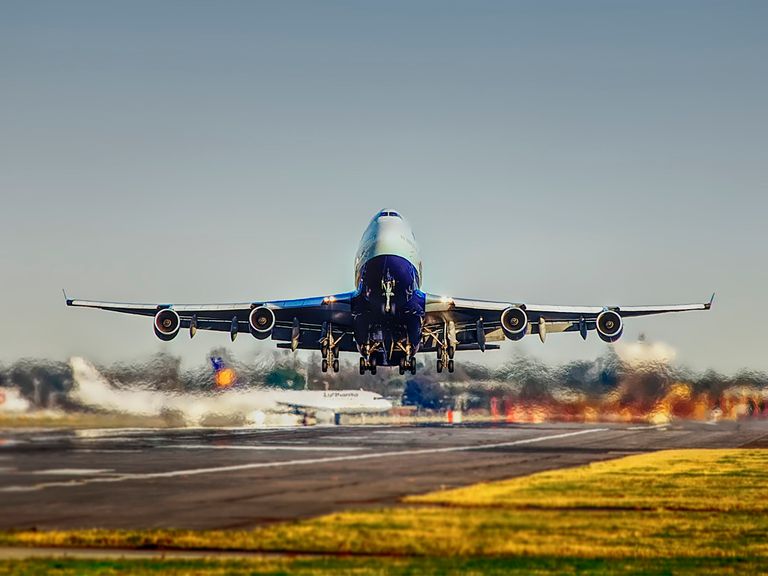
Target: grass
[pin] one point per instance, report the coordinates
(717, 480)
(526, 566)
(697, 511)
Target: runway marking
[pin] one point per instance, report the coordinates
(72, 471)
(302, 462)
(263, 447)
(104, 451)
(394, 432)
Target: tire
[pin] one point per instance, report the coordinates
(324, 365)
(373, 369)
(413, 367)
(450, 366)
(451, 352)
(362, 366)
(401, 369)
(336, 365)
(439, 366)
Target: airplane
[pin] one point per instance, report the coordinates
(306, 402)
(387, 319)
(93, 390)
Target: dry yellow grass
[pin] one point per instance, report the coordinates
(717, 480)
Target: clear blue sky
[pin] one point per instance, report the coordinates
(607, 152)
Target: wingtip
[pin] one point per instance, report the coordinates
(711, 301)
(67, 300)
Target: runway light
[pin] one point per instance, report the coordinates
(225, 378)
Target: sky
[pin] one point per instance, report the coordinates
(592, 152)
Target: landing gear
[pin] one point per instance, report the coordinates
(445, 343)
(407, 365)
(369, 364)
(330, 361)
(329, 347)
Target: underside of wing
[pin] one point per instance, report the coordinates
(299, 323)
(470, 324)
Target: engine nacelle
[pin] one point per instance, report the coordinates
(610, 327)
(514, 323)
(261, 321)
(167, 324)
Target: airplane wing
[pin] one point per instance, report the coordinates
(298, 323)
(475, 322)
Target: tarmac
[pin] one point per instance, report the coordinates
(242, 477)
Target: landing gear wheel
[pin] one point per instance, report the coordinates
(402, 366)
(439, 366)
(362, 366)
(336, 365)
(324, 365)
(373, 369)
(451, 352)
(413, 366)
(450, 366)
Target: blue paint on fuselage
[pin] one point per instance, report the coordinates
(392, 319)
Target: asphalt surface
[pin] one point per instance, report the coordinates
(239, 478)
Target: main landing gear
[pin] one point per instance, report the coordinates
(445, 358)
(329, 347)
(445, 342)
(330, 363)
(367, 365)
(407, 365)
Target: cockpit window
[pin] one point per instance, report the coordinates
(395, 214)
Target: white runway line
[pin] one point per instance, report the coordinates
(263, 447)
(72, 471)
(302, 462)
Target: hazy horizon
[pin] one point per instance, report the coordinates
(595, 153)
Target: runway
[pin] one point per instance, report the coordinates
(239, 478)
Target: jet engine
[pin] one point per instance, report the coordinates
(609, 326)
(167, 324)
(514, 323)
(261, 321)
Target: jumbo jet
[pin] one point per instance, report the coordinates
(387, 319)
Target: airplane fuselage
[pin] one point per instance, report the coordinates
(388, 307)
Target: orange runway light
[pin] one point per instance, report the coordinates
(225, 378)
